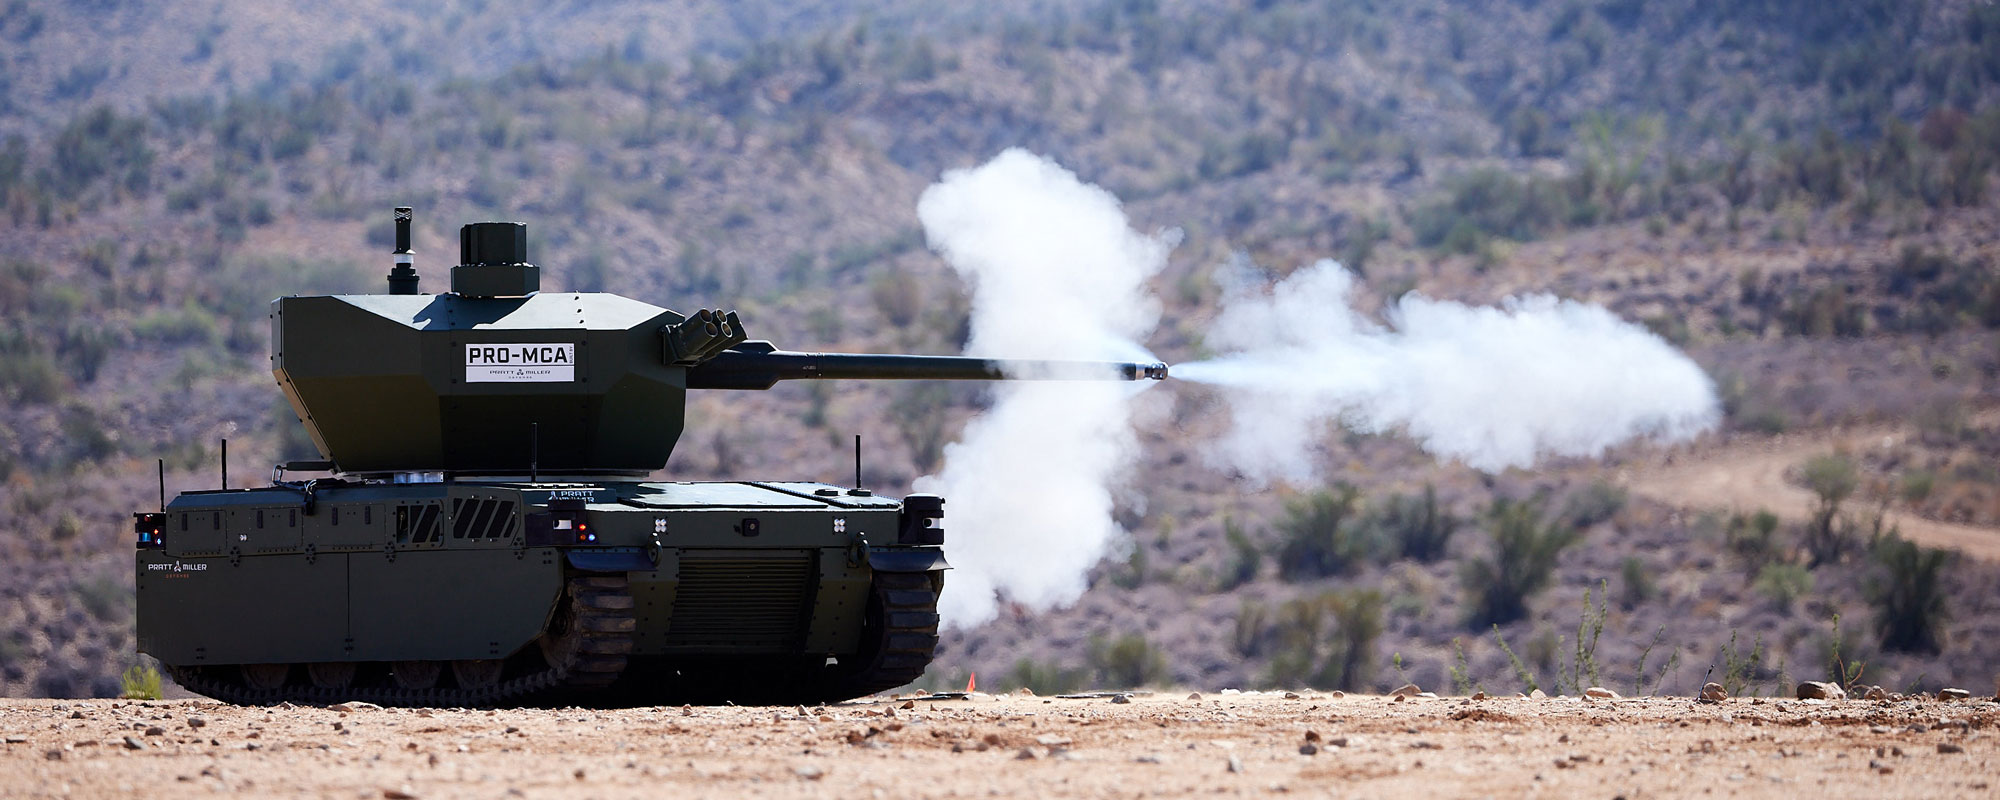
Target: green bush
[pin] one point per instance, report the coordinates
(1635, 583)
(1827, 311)
(1595, 503)
(1783, 584)
(1247, 637)
(1357, 617)
(31, 376)
(1523, 561)
(1296, 636)
(1244, 558)
(1832, 478)
(140, 682)
(1049, 678)
(1488, 203)
(1127, 662)
(105, 597)
(922, 413)
(1755, 540)
(1917, 485)
(1318, 541)
(188, 325)
(1909, 597)
(1412, 525)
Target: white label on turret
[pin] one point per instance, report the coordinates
(520, 363)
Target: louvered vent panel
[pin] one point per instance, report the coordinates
(742, 601)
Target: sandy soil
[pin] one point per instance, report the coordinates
(1161, 745)
(1749, 474)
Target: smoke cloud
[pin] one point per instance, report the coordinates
(1492, 387)
(1056, 272)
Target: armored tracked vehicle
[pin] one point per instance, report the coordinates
(480, 529)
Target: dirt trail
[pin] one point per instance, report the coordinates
(1161, 746)
(1749, 474)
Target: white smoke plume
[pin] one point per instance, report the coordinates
(1056, 272)
(1492, 387)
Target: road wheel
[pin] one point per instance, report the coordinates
(266, 676)
(416, 674)
(477, 673)
(331, 674)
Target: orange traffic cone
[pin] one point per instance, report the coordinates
(971, 682)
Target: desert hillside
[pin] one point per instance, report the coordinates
(1798, 195)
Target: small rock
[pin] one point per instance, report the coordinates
(1291, 695)
(1408, 688)
(687, 711)
(1026, 754)
(197, 722)
(156, 731)
(1052, 740)
(1149, 758)
(1235, 764)
(1400, 698)
(134, 744)
(1821, 690)
(1308, 749)
(809, 772)
(578, 773)
(1948, 747)
(1953, 694)
(398, 794)
(1194, 695)
(910, 704)
(53, 754)
(1600, 693)
(1876, 693)
(1337, 694)
(1024, 692)
(17, 739)
(1121, 698)
(1713, 692)
(1538, 695)
(1312, 736)
(1478, 695)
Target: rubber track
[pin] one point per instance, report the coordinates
(604, 615)
(907, 639)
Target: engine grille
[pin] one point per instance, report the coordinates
(742, 600)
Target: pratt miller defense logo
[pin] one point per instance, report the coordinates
(519, 363)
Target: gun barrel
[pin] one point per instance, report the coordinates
(738, 369)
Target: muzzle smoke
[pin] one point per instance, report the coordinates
(1492, 387)
(1055, 273)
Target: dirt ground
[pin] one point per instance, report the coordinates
(1166, 744)
(1749, 473)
